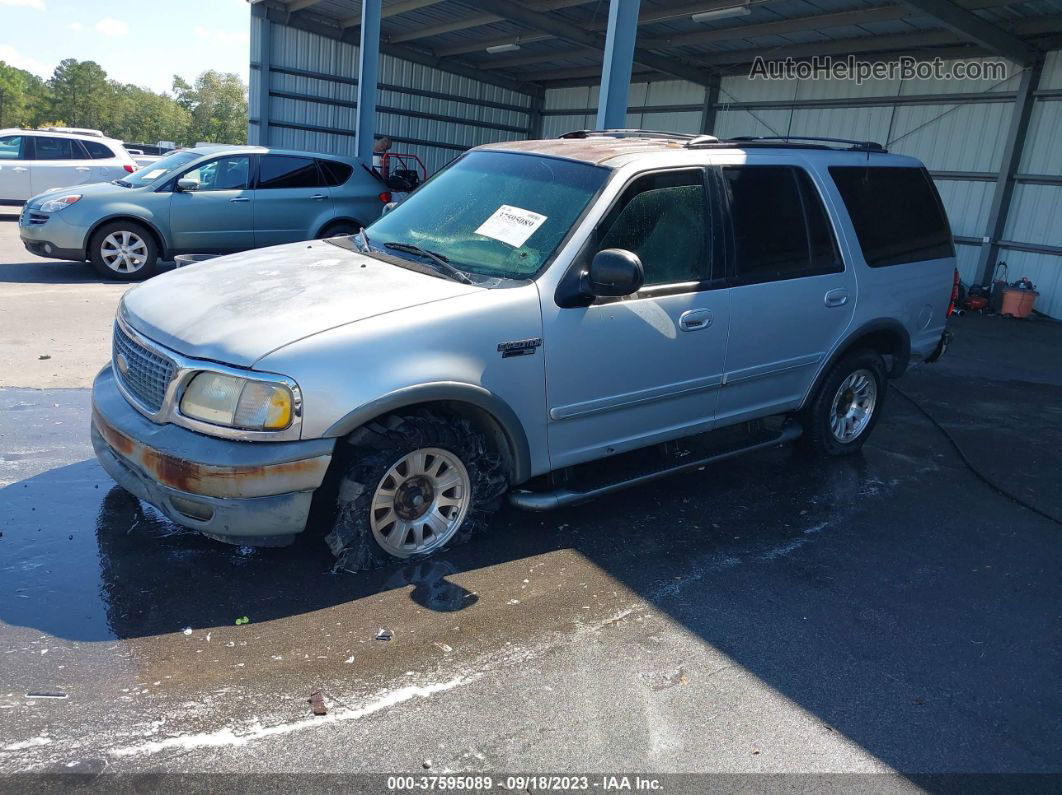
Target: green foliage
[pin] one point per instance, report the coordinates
(213, 109)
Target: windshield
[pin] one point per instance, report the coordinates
(160, 168)
(494, 213)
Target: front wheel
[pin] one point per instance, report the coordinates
(416, 484)
(124, 250)
(847, 405)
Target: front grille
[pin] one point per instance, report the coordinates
(148, 373)
(36, 219)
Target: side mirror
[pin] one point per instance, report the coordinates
(615, 272)
(187, 185)
(387, 208)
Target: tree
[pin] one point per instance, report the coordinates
(217, 105)
(23, 97)
(81, 93)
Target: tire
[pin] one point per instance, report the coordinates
(124, 250)
(856, 386)
(339, 228)
(373, 529)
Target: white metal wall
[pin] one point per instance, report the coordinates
(961, 139)
(316, 111)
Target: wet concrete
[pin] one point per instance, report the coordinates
(886, 612)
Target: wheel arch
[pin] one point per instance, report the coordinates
(338, 220)
(884, 335)
(486, 411)
(160, 239)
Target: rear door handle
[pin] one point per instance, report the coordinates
(836, 297)
(239, 199)
(20, 169)
(82, 168)
(695, 319)
(318, 196)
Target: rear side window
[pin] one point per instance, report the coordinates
(56, 149)
(780, 226)
(285, 171)
(334, 173)
(96, 150)
(896, 213)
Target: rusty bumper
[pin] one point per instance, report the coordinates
(240, 492)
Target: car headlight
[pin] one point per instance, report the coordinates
(238, 402)
(60, 203)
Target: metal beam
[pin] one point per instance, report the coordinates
(392, 10)
(313, 24)
(711, 101)
(781, 27)
(368, 67)
(566, 31)
(299, 5)
(616, 67)
(259, 135)
(974, 29)
(476, 20)
(1012, 152)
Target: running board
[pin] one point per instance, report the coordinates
(563, 497)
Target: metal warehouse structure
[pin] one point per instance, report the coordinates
(451, 75)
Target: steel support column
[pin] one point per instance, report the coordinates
(1012, 152)
(616, 67)
(258, 134)
(711, 100)
(368, 67)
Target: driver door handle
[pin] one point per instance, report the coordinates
(83, 168)
(695, 319)
(239, 199)
(318, 196)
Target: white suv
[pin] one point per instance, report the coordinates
(33, 161)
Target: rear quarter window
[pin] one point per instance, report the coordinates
(334, 173)
(896, 212)
(97, 151)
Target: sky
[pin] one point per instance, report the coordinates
(144, 42)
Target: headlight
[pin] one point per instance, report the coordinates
(238, 402)
(61, 203)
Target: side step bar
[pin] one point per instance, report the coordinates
(563, 497)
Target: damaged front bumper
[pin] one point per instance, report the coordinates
(255, 493)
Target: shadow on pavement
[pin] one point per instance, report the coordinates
(891, 595)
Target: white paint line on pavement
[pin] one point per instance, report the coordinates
(33, 742)
(228, 737)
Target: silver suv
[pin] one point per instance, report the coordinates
(530, 319)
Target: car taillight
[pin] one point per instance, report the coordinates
(129, 169)
(385, 197)
(954, 294)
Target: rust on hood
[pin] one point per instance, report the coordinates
(211, 480)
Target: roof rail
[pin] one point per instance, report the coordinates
(625, 133)
(860, 146)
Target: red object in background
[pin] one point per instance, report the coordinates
(975, 303)
(385, 197)
(402, 161)
(129, 169)
(954, 294)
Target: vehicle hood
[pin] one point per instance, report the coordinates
(238, 308)
(92, 189)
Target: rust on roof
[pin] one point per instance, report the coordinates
(596, 149)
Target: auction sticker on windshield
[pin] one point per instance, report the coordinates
(512, 225)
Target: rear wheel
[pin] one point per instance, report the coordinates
(124, 250)
(416, 484)
(847, 406)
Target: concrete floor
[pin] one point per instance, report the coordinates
(885, 613)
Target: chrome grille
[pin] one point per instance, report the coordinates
(148, 374)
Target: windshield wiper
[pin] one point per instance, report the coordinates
(362, 239)
(123, 183)
(441, 263)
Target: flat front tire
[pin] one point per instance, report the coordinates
(124, 250)
(843, 412)
(416, 484)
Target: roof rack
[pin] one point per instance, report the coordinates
(803, 140)
(631, 133)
